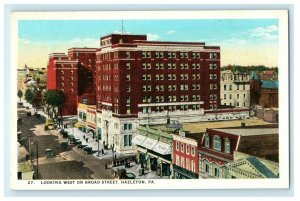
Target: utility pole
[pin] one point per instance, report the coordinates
(37, 160)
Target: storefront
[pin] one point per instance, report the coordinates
(181, 173)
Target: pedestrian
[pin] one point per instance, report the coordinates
(102, 151)
(87, 139)
(83, 136)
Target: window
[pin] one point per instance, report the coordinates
(177, 160)
(128, 88)
(182, 162)
(207, 168)
(187, 164)
(128, 54)
(127, 140)
(217, 143)
(217, 172)
(224, 96)
(127, 126)
(227, 146)
(193, 166)
(127, 77)
(225, 87)
(187, 149)
(193, 151)
(177, 146)
(128, 66)
(230, 87)
(206, 140)
(182, 148)
(213, 55)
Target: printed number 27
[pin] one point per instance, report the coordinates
(30, 182)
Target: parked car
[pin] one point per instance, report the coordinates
(49, 153)
(81, 146)
(88, 150)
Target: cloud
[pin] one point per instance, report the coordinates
(266, 33)
(171, 32)
(120, 32)
(233, 41)
(24, 41)
(152, 36)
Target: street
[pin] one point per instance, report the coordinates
(69, 163)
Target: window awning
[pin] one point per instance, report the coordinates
(138, 139)
(78, 125)
(162, 148)
(149, 143)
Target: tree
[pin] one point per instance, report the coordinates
(29, 95)
(20, 94)
(34, 97)
(54, 102)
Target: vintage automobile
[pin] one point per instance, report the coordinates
(49, 153)
(88, 150)
(81, 146)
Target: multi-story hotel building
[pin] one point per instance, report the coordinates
(235, 89)
(74, 74)
(145, 82)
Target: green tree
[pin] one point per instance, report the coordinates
(29, 95)
(20, 94)
(54, 102)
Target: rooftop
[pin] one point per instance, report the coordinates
(249, 131)
(269, 84)
(200, 127)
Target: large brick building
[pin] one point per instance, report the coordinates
(74, 74)
(144, 82)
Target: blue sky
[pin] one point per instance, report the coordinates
(242, 41)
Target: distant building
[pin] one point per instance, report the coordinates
(218, 145)
(269, 93)
(268, 114)
(268, 75)
(245, 166)
(75, 75)
(263, 92)
(235, 89)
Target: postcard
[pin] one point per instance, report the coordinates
(149, 100)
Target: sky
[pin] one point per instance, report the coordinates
(242, 41)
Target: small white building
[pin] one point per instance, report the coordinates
(235, 89)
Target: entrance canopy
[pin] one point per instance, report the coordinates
(149, 143)
(162, 148)
(138, 139)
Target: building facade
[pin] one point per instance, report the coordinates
(245, 166)
(218, 146)
(154, 150)
(74, 74)
(263, 92)
(185, 155)
(141, 82)
(235, 89)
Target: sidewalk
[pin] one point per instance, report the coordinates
(134, 169)
(92, 143)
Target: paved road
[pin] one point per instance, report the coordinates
(70, 163)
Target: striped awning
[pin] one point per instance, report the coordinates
(138, 139)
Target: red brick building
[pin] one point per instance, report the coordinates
(217, 147)
(185, 155)
(140, 82)
(74, 74)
